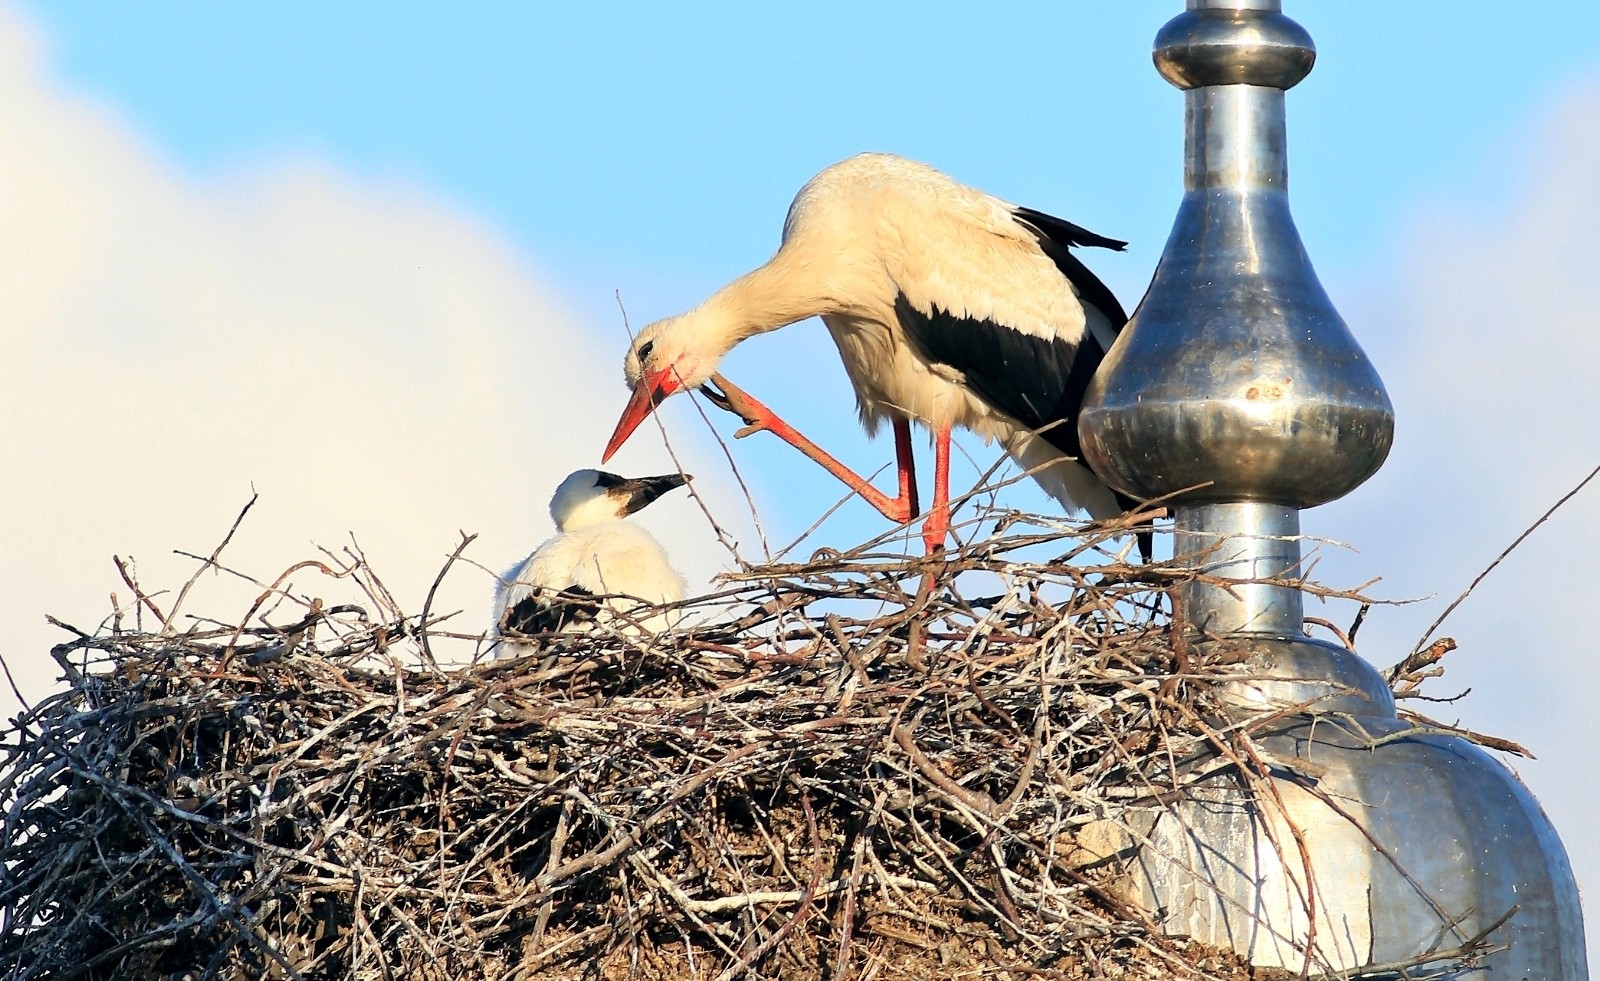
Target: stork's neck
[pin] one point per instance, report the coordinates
(783, 291)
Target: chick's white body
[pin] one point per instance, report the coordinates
(615, 557)
(595, 551)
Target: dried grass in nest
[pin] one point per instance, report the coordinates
(827, 775)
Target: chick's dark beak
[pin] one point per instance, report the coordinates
(640, 491)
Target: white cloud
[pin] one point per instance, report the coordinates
(1487, 332)
(368, 359)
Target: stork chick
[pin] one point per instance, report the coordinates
(597, 569)
(949, 308)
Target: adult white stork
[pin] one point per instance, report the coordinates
(949, 307)
(597, 569)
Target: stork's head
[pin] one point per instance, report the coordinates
(589, 497)
(666, 357)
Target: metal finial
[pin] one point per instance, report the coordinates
(1236, 371)
(1236, 374)
(1236, 382)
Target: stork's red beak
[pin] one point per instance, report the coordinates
(648, 394)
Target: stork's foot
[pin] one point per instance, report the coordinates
(731, 398)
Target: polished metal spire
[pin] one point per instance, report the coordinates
(1236, 382)
(1238, 393)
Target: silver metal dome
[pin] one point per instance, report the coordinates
(1414, 841)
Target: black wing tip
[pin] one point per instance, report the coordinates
(1143, 529)
(548, 611)
(1057, 237)
(1069, 232)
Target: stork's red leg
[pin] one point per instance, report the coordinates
(907, 465)
(758, 417)
(937, 525)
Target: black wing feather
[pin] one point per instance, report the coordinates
(1035, 380)
(546, 611)
(1067, 233)
(1038, 381)
(1057, 237)
(1052, 373)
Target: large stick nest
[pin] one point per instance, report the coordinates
(826, 772)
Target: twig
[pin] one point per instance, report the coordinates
(427, 604)
(1406, 676)
(139, 596)
(750, 502)
(1569, 495)
(210, 562)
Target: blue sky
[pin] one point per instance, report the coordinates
(628, 141)
(651, 149)
(362, 257)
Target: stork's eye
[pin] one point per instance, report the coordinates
(645, 349)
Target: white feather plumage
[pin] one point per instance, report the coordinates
(598, 551)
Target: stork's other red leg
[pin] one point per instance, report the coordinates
(758, 417)
(908, 466)
(937, 525)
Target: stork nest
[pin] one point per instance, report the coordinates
(826, 772)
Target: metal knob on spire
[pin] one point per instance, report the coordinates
(1237, 392)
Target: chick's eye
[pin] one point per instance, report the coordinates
(645, 349)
